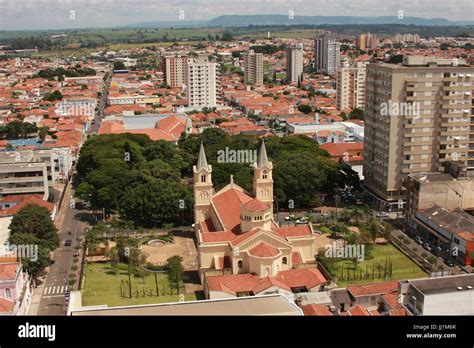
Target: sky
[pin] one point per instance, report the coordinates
(60, 14)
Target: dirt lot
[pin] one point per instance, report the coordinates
(183, 246)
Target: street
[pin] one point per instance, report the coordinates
(71, 223)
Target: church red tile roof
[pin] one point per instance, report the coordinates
(227, 204)
(255, 205)
(264, 250)
(308, 277)
(296, 258)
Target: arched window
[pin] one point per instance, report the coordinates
(203, 178)
(264, 174)
(240, 264)
(8, 293)
(284, 261)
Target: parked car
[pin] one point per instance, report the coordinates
(427, 247)
(382, 214)
(449, 262)
(67, 242)
(303, 220)
(419, 240)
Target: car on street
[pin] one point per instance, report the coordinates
(449, 262)
(382, 214)
(67, 242)
(419, 240)
(303, 220)
(427, 247)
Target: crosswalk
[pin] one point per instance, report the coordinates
(55, 290)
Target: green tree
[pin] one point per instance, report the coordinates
(175, 268)
(35, 220)
(357, 114)
(305, 109)
(55, 95)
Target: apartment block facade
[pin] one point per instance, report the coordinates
(327, 53)
(175, 70)
(294, 63)
(203, 82)
(19, 174)
(367, 41)
(253, 68)
(350, 86)
(418, 115)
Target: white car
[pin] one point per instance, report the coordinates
(382, 214)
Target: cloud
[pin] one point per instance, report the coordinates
(40, 14)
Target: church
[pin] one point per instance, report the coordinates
(241, 249)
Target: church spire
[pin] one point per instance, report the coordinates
(202, 161)
(262, 155)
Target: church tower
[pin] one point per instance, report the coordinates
(262, 178)
(202, 188)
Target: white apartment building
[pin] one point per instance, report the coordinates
(327, 53)
(20, 174)
(253, 68)
(294, 63)
(350, 86)
(203, 82)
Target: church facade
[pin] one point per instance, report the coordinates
(241, 248)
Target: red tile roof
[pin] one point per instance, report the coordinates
(338, 149)
(358, 310)
(6, 305)
(264, 250)
(25, 200)
(8, 270)
(296, 258)
(373, 289)
(307, 277)
(227, 204)
(255, 205)
(315, 309)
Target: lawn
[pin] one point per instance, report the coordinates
(102, 286)
(402, 267)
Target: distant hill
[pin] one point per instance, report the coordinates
(245, 20)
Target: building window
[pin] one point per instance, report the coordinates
(8, 293)
(284, 261)
(203, 178)
(264, 175)
(240, 264)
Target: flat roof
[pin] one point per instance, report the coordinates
(438, 285)
(247, 306)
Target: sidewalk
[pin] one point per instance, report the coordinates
(37, 294)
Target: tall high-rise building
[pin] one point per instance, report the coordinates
(417, 116)
(350, 86)
(327, 53)
(253, 68)
(294, 63)
(203, 82)
(175, 70)
(367, 41)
